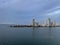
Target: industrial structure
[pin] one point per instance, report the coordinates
(48, 23)
(35, 23)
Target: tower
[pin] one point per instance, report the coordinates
(49, 22)
(46, 23)
(54, 23)
(33, 22)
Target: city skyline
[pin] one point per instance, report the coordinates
(23, 11)
(47, 22)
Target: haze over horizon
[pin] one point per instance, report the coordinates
(23, 11)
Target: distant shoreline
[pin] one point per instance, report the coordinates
(31, 26)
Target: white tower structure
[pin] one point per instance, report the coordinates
(49, 22)
(46, 23)
(54, 23)
(33, 22)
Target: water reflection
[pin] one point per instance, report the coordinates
(43, 36)
(32, 36)
(33, 33)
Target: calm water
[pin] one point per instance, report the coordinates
(29, 36)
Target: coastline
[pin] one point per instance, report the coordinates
(32, 26)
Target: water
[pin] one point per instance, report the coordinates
(29, 36)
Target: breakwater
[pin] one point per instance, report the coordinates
(32, 26)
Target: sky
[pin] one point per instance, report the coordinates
(23, 11)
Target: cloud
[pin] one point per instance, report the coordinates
(15, 10)
(6, 3)
(54, 13)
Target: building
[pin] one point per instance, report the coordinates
(48, 22)
(54, 23)
(33, 22)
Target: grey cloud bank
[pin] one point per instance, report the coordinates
(20, 11)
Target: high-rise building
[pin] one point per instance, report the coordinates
(46, 23)
(49, 22)
(37, 23)
(33, 22)
(54, 23)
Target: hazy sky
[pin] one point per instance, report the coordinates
(23, 11)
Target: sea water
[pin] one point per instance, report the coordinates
(29, 36)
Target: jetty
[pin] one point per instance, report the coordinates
(32, 26)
